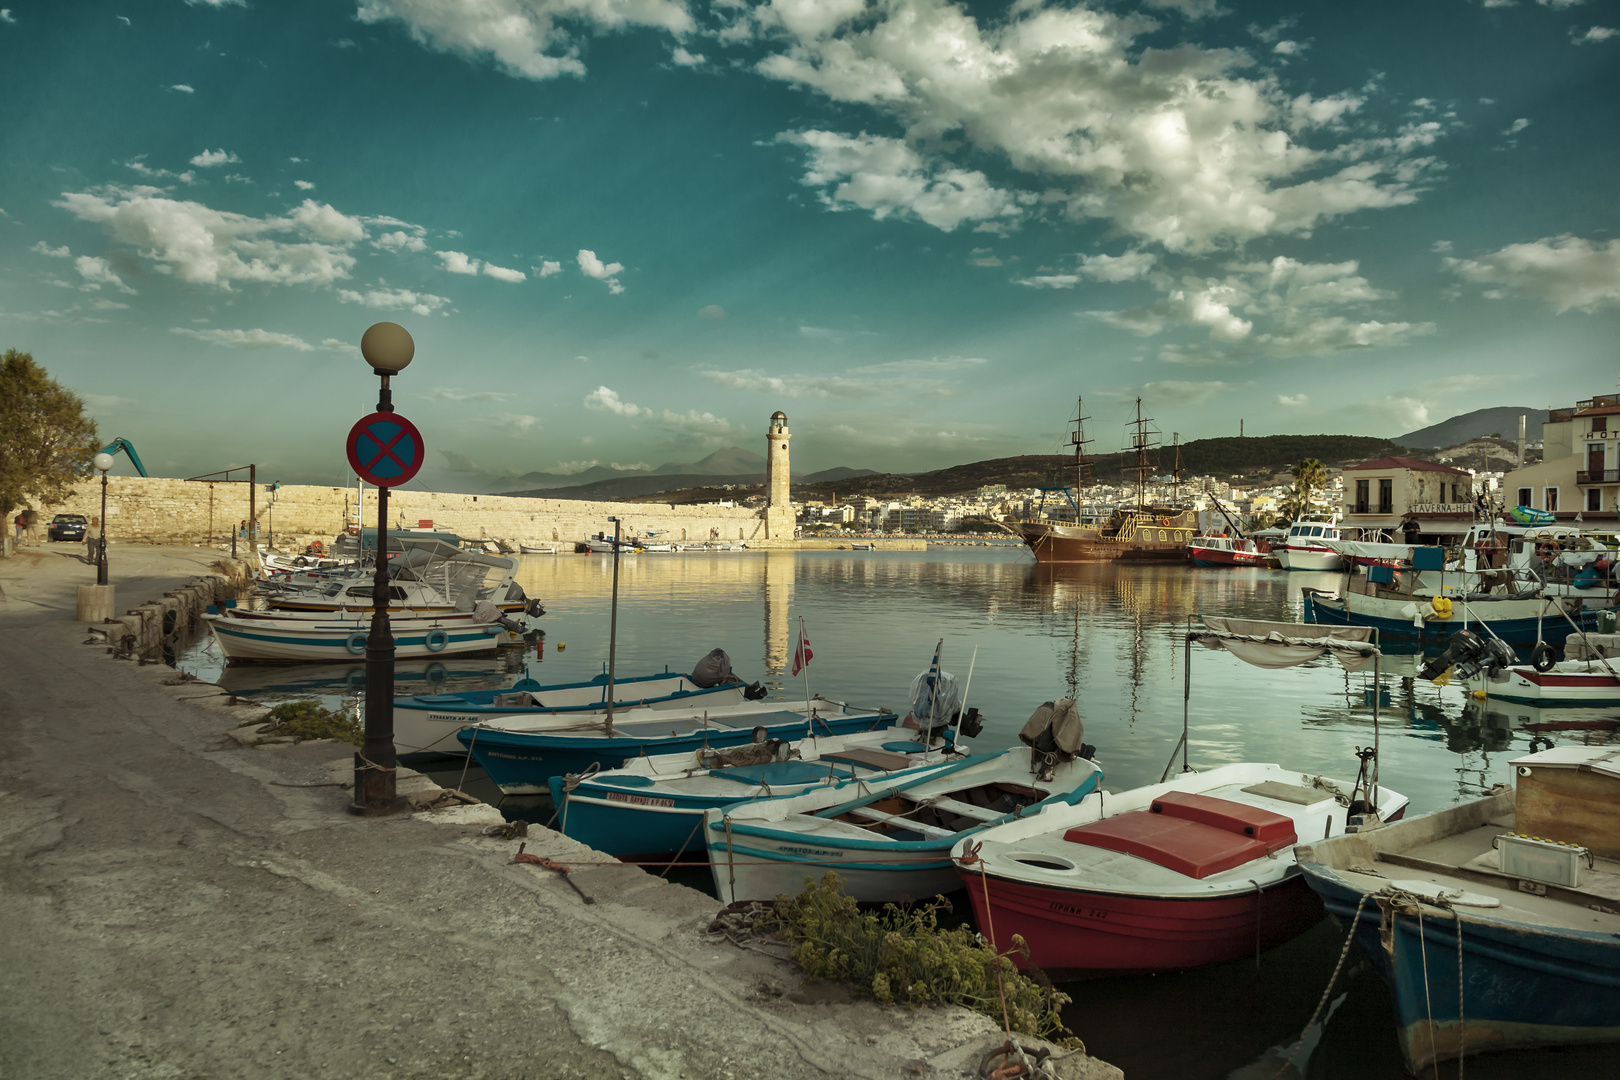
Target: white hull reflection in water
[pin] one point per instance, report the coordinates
(1108, 636)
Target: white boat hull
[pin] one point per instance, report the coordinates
(298, 641)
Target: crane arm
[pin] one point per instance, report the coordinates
(129, 448)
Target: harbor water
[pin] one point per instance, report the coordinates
(1111, 637)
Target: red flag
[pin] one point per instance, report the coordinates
(802, 655)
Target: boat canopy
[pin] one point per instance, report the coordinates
(1285, 645)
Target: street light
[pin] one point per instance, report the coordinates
(388, 348)
(102, 461)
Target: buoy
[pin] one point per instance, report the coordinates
(561, 645)
(1479, 695)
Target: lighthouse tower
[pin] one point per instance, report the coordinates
(778, 509)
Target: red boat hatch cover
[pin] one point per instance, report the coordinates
(1193, 835)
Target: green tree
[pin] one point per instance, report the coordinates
(46, 441)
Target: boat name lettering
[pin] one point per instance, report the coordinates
(812, 851)
(1075, 909)
(639, 800)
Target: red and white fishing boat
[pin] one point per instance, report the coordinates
(1221, 550)
(1572, 682)
(1184, 873)
(1196, 871)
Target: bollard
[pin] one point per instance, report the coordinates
(95, 603)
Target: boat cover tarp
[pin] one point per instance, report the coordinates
(1284, 645)
(1366, 549)
(712, 670)
(1062, 718)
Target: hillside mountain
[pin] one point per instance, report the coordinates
(728, 462)
(1501, 422)
(630, 487)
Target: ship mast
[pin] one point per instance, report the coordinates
(1175, 475)
(1078, 438)
(1141, 442)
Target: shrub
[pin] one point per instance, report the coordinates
(902, 956)
(309, 719)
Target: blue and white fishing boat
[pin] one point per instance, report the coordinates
(653, 806)
(1521, 621)
(1495, 923)
(888, 839)
(303, 641)
(522, 761)
(428, 724)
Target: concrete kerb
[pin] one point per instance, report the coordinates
(145, 627)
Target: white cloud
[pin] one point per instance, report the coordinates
(108, 401)
(1289, 48)
(446, 394)
(686, 59)
(1184, 147)
(1517, 126)
(1178, 392)
(630, 466)
(501, 273)
(1131, 266)
(569, 468)
(885, 176)
(526, 38)
(592, 267)
(1293, 401)
(182, 88)
(419, 302)
(547, 268)
(98, 272)
(693, 422)
(1593, 35)
(708, 311)
(216, 3)
(209, 158)
(399, 240)
(791, 386)
(603, 399)
(246, 339)
(516, 425)
(204, 246)
(303, 185)
(56, 253)
(1050, 281)
(457, 262)
(1567, 272)
(7, 17)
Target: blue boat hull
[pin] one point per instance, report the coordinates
(1517, 632)
(525, 762)
(1523, 986)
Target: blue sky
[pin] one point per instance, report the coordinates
(626, 231)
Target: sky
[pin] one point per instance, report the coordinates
(624, 232)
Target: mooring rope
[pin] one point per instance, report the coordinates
(1355, 924)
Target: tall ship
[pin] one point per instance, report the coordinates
(1151, 530)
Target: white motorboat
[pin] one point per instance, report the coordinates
(1305, 547)
(305, 641)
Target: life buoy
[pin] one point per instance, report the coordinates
(1542, 658)
(1548, 550)
(1164, 521)
(436, 639)
(357, 642)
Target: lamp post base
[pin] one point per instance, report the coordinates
(374, 794)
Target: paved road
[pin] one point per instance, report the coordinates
(174, 910)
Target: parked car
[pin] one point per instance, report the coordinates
(68, 527)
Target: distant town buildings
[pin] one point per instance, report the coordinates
(1580, 468)
(1422, 501)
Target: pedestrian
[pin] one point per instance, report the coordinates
(31, 519)
(21, 522)
(92, 540)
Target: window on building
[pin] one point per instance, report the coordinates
(1550, 500)
(1600, 423)
(1594, 498)
(1524, 497)
(1386, 496)
(1453, 492)
(1361, 496)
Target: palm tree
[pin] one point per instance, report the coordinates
(1310, 476)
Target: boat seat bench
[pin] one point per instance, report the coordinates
(1193, 835)
(878, 817)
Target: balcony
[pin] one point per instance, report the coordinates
(1598, 476)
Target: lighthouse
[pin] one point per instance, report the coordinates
(778, 508)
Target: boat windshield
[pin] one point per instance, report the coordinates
(1316, 531)
(1294, 531)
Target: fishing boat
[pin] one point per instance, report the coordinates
(1187, 872)
(1495, 923)
(1195, 871)
(1149, 531)
(1306, 547)
(1220, 550)
(522, 761)
(305, 641)
(1570, 682)
(427, 724)
(527, 547)
(1523, 621)
(653, 806)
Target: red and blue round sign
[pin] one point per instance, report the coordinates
(385, 449)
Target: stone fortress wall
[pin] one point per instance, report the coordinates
(158, 510)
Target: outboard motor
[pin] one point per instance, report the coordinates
(1055, 733)
(712, 670)
(486, 612)
(1468, 654)
(754, 691)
